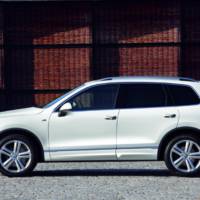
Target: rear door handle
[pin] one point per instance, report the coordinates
(111, 117)
(170, 116)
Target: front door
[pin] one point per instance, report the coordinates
(88, 131)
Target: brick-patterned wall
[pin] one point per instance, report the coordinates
(50, 47)
(43, 69)
(142, 23)
(137, 61)
(32, 65)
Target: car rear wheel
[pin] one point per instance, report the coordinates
(17, 155)
(182, 155)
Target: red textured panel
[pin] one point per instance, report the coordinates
(48, 68)
(42, 99)
(137, 61)
(138, 22)
(52, 24)
(192, 62)
(149, 61)
(192, 20)
(61, 68)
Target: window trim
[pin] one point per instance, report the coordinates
(165, 88)
(184, 85)
(85, 89)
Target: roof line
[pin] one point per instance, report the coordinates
(149, 77)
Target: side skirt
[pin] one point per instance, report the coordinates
(137, 154)
(102, 155)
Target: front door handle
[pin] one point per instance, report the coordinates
(170, 116)
(111, 117)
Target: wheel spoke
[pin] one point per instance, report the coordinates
(17, 146)
(19, 165)
(26, 154)
(189, 164)
(7, 163)
(179, 161)
(6, 151)
(177, 150)
(188, 146)
(195, 155)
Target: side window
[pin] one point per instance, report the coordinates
(141, 95)
(98, 97)
(183, 95)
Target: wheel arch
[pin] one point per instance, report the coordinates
(28, 134)
(173, 133)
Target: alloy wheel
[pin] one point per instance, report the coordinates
(15, 156)
(185, 156)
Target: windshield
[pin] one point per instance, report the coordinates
(60, 98)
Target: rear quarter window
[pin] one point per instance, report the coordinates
(183, 95)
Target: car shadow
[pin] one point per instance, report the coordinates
(103, 172)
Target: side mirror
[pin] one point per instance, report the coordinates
(64, 109)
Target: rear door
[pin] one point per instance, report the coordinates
(143, 117)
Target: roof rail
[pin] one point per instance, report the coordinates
(106, 79)
(177, 78)
(187, 79)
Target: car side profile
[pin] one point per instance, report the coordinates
(111, 119)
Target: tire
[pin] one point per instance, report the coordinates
(17, 155)
(180, 157)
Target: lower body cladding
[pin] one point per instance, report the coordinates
(149, 153)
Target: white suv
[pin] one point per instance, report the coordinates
(111, 119)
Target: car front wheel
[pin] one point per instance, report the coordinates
(17, 155)
(182, 155)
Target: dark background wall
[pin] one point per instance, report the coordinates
(47, 48)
